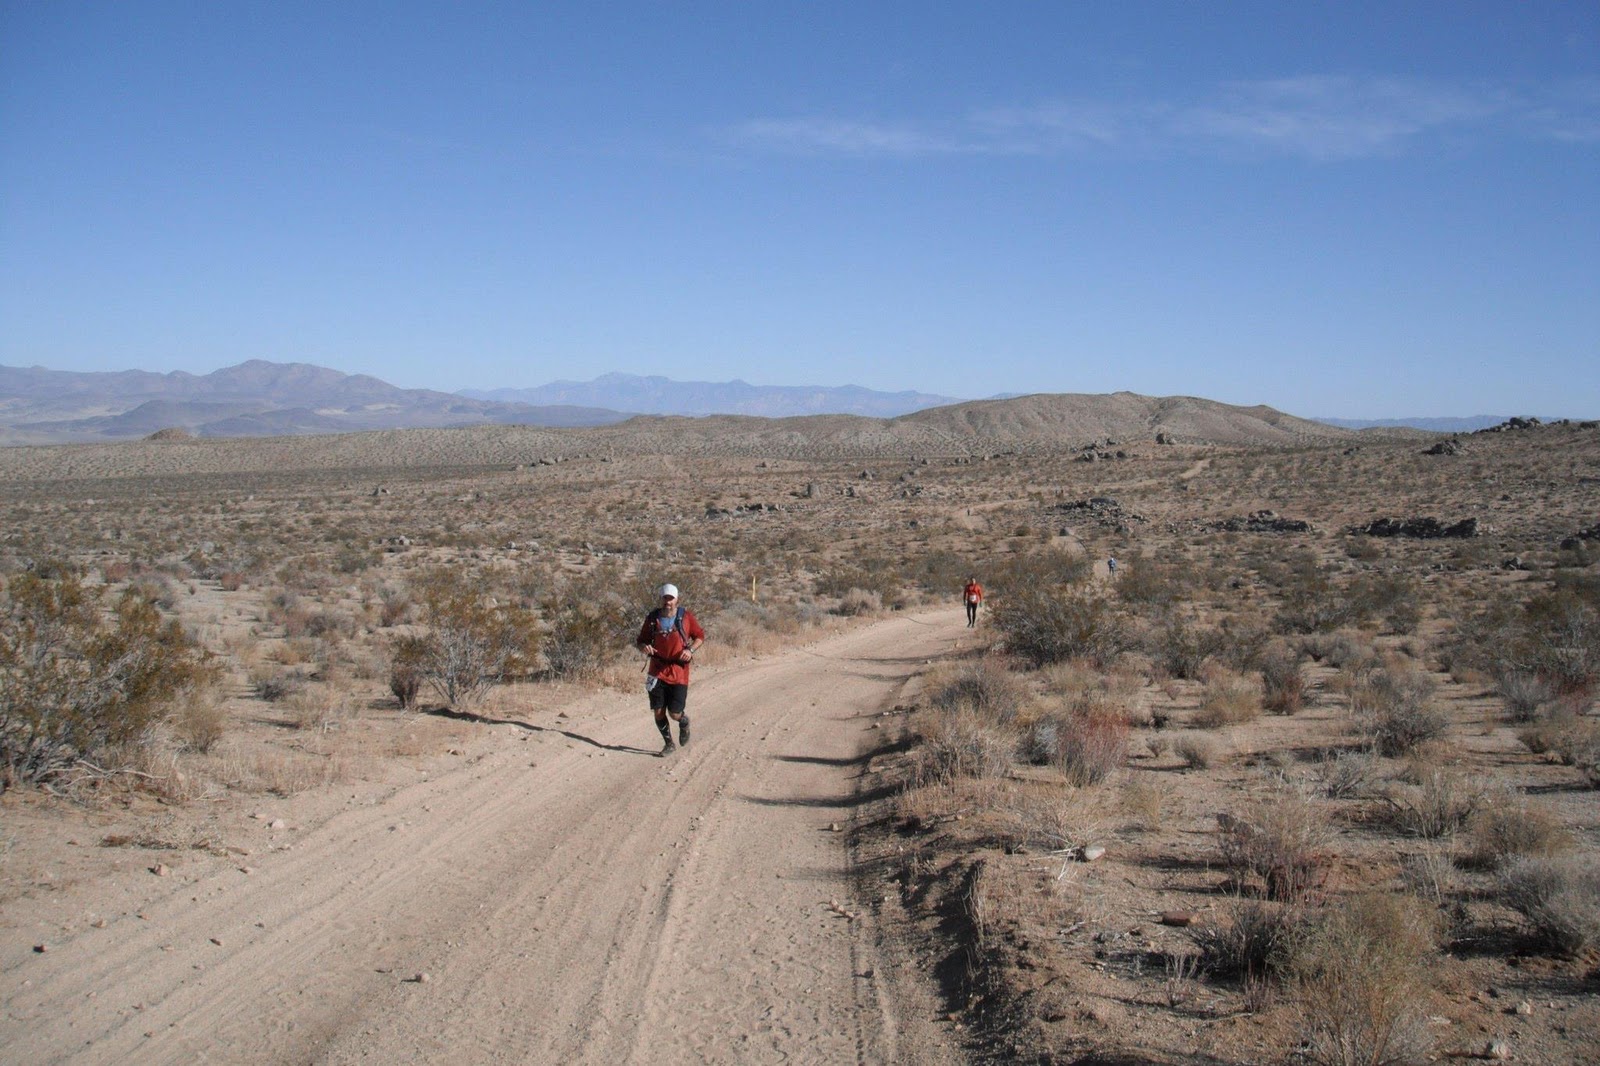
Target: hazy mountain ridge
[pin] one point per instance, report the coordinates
(657, 395)
(256, 398)
(259, 399)
(1468, 424)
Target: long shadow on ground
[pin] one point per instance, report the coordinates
(468, 716)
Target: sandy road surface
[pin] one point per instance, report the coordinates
(569, 897)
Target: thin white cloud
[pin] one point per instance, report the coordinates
(1335, 117)
(1313, 117)
(829, 136)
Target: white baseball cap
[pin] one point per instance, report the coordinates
(669, 590)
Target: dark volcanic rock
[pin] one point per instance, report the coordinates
(1262, 522)
(1427, 528)
(1577, 539)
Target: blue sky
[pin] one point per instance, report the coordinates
(1357, 210)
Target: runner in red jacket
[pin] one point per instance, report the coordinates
(972, 595)
(669, 637)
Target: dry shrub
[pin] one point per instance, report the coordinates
(1345, 651)
(1283, 683)
(199, 720)
(1087, 743)
(874, 576)
(858, 601)
(1435, 802)
(317, 708)
(1253, 942)
(1559, 639)
(1044, 624)
(759, 629)
(1196, 750)
(982, 686)
(1349, 774)
(1512, 828)
(395, 606)
(586, 634)
(1524, 692)
(1042, 816)
(962, 744)
(1560, 898)
(1430, 875)
(77, 680)
(473, 642)
(1282, 841)
(1145, 801)
(1152, 582)
(406, 656)
(1312, 602)
(1181, 648)
(1562, 731)
(1228, 699)
(1396, 708)
(164, 773)
(1359, 975)
(272, 685)
(286, 773)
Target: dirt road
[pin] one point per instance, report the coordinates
(559, 896)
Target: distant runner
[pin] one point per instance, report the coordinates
(670, 635)
(972, 595)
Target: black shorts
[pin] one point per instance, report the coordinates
(670, 698)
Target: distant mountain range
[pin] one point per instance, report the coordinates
(253, 399)
(661, 396)
(1469, 424)
(265, 399)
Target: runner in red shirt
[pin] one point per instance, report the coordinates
(669, 637)
(972, 595)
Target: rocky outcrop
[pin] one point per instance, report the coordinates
(1261, 522)
(1513, 424)
(1427, 528)
(1576, 540)
(1101, 509)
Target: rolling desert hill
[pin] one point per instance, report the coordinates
(1124, 416)
(1041, 424)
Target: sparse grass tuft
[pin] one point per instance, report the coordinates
(1197, 750)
